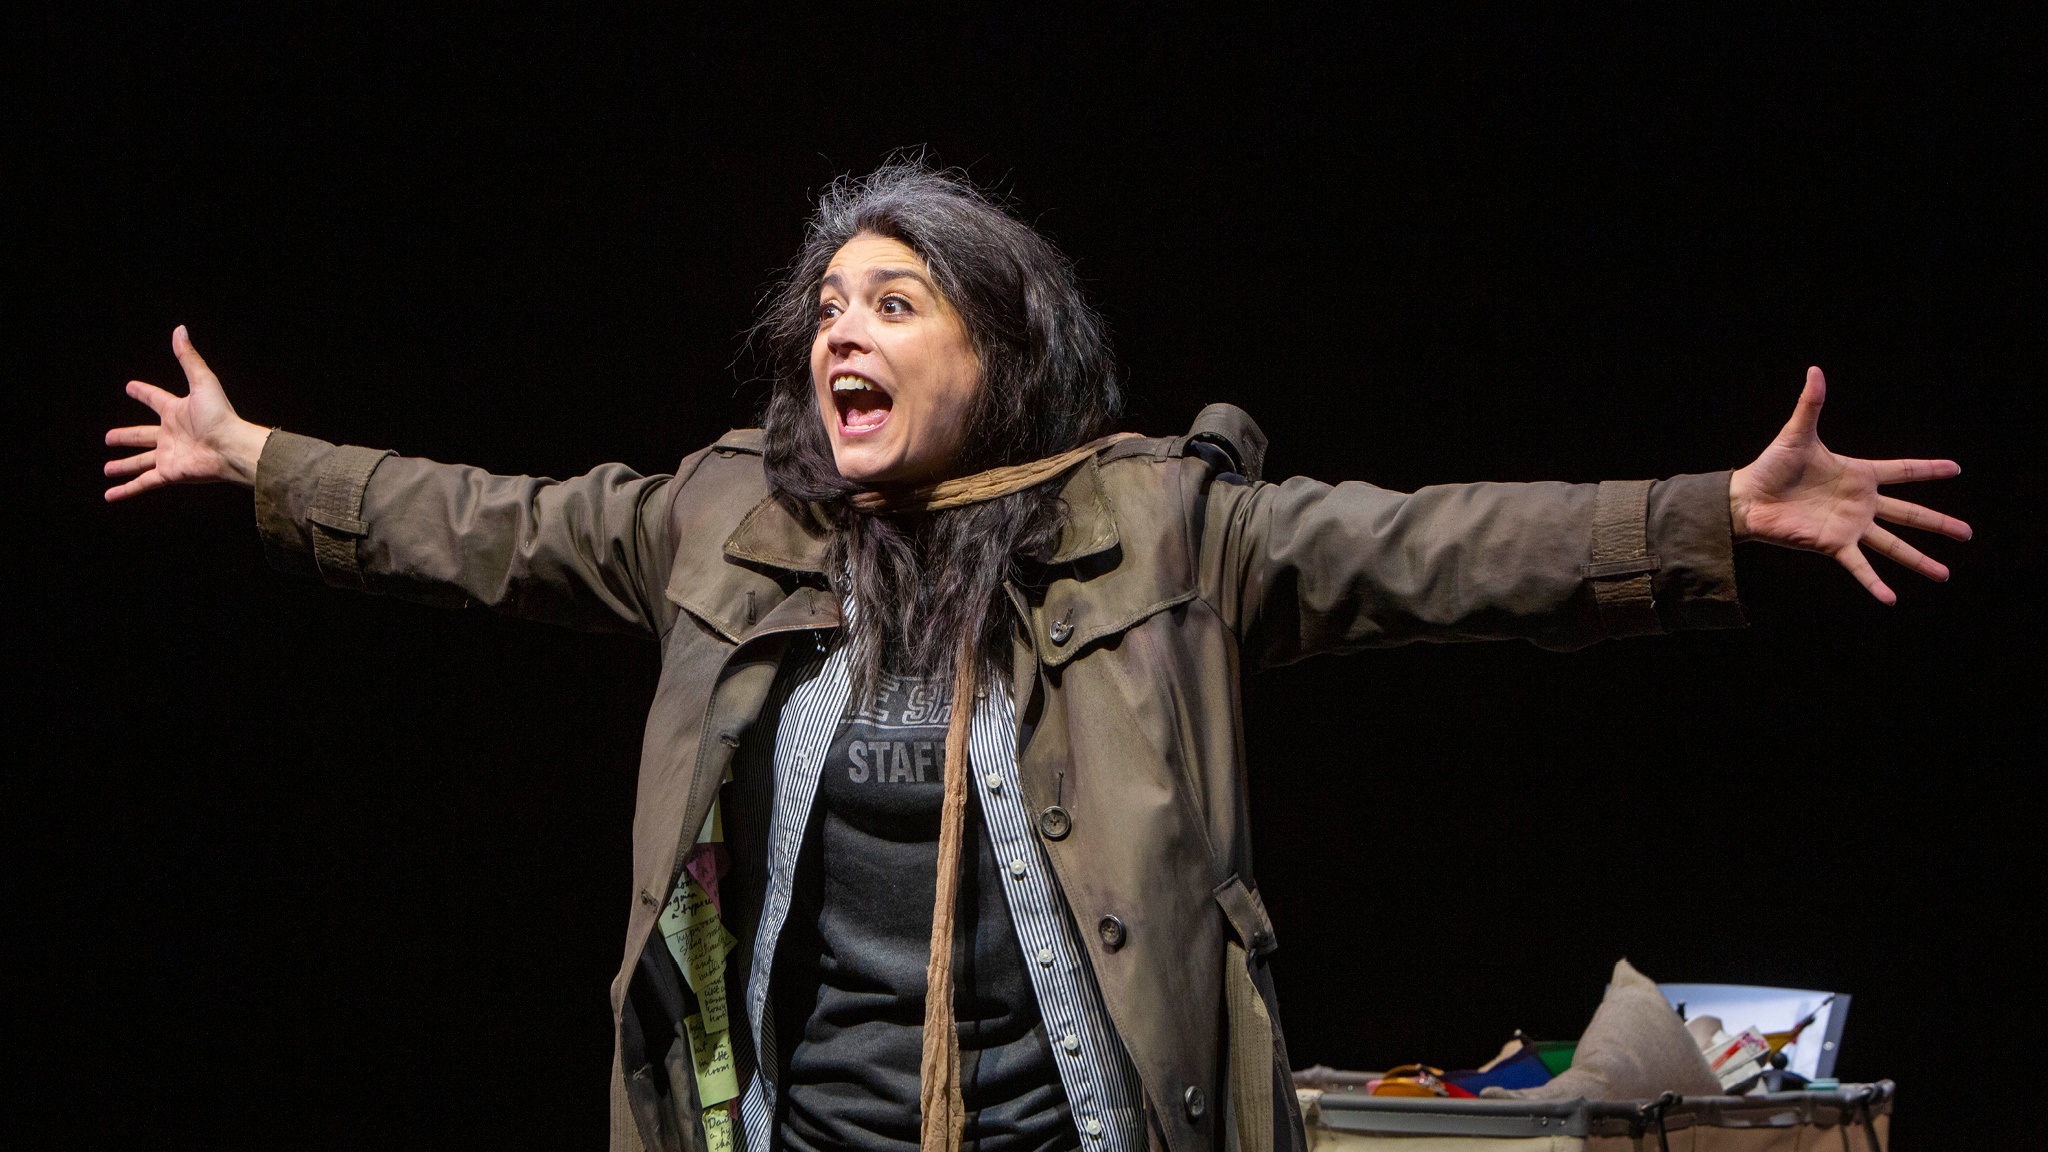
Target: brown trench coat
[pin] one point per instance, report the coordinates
(1178, 573)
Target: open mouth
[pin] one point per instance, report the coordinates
(863, 406)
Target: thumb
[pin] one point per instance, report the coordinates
(197, 374)
(1805, 421)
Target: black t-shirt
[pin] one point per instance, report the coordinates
(856, 982)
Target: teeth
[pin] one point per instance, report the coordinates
(850, 384)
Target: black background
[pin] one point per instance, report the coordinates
(307, 869)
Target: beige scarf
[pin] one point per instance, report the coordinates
(982, 485)
(944, 1113)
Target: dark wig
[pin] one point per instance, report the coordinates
(1048, 384)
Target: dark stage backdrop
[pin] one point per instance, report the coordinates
(305, 869)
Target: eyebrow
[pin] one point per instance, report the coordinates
(878, 276)
(884, 275)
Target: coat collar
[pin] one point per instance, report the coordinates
(1091, 522)
(770, 537)
(1107, 573)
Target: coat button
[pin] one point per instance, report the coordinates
(1112, 930)
(1055, 823)
(1060, 630)
(1195, 1101)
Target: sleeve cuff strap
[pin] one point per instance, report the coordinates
(309, 502)
(1622, 563)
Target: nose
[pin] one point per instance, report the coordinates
(847, 333)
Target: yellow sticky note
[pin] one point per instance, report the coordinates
(705, 960)
(687, 909)
(711, 1052)
(711, 998)
(717, 1130)
(699, 943)
(675, 915)
(714, 827)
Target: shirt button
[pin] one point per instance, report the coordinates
(1093, 1127)
(1060, 630)
(802, 759)
(1045, 957)
(1195, 1101)
(1071, 1043)
(1017, 868)
(994, 781)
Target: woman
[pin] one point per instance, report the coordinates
(930, 516)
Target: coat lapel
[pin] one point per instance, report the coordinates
(733, 585)
(1094, 588)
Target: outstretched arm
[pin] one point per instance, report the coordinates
(1300, 567)
(1800, 495)
(198, 440)
(590, 552)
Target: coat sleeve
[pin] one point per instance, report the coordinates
(1302, 567)
(591, 553)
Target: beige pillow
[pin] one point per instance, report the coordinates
(1636, 1048)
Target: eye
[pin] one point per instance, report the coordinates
(893, 306)
(827, 309)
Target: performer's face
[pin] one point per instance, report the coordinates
(893, 366)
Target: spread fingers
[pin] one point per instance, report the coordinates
(150, 394)
(1907, 471)
(1904, 553)
(130, 465)
(137, 436)
(143, 483)
(1852, 558)
(1914, 516)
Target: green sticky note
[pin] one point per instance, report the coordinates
(711, 1052)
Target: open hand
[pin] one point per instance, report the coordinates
(199, 441)
(1800, 495)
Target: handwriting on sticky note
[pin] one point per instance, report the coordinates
(700, 944)
(711, 997)
(711, 1052)
(717, 1130)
